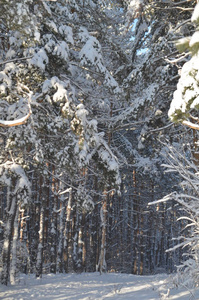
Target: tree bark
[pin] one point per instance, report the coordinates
(60, 263)
(13, 268)
(67, 232)
(6, 251)
(101, 267)
(39, 264)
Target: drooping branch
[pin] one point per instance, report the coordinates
(190, 125)
(16, 122)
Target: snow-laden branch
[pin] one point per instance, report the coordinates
(166, 198)
(190, 125)
(16, 122)
(174, 61)
(65, 191)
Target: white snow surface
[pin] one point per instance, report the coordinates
(195, 15)
(194, 39)
(93, 286)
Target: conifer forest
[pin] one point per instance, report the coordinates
(99, 149)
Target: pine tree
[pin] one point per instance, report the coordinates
(58, 62)
(184, 110)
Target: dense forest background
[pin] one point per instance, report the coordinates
(86, 141)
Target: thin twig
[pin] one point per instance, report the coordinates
(15, 59)
(161, 128)
(177, 59)
(87, 69)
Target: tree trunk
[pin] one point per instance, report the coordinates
(67, 233)
(81, 243)
(60, 263)
(13, 268)
(101, 267)
(6, 251)
(39, 264)
(53, 248)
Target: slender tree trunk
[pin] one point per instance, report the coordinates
(53, 248)
(13, 268)
(195, 151)
(81, 243)
(39, 261)
(39, 264)
(21, 226)
(67, 233)
(135, 225)
(94, 241)
(2, 210)
(47, 197)
(74, 244)
(23, 239)
(101, 267)
(33, 223)
(60, 263)
(6, 251)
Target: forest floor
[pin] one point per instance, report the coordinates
(93, 286)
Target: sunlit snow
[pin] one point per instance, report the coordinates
(93, 286)
(194, 39)
(195, 15)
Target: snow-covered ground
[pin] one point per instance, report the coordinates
(87, 286)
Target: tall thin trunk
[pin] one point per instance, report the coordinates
(53, 232)
(23, 239)
(74, 241)
(95, 230)
(1, 209)
(195, 149)
(6, 251)
(67, 232)
(81, 243)
(21, 225)
(33, 223)
(101, 267)
(39, 264)
(13, 267)
(47, 204)
(60, 263)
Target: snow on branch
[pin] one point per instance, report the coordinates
(166, 198)
(190, 125)
(17, 122)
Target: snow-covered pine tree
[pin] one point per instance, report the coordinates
(53, 65)
(184, 110)
(148, 81)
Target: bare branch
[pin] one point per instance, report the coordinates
(15, 59)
